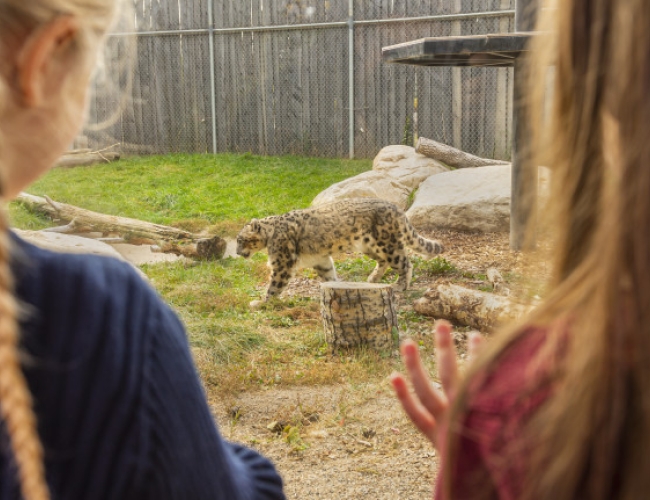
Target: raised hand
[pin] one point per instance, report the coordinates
(428, 408)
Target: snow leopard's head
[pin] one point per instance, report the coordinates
(250, 239)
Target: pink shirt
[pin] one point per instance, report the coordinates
(500, 403)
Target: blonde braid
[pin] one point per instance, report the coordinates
(15, 398)
(16, 409)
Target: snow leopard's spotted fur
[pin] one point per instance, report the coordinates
(307, 238)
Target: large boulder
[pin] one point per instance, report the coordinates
(396, 172)
(406, 165)
(67, 243)
(469, 199)
(369, 184)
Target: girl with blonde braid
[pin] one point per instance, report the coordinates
(558, 407)
(99, 398)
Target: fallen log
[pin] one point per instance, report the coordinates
(358, 314)
(129, 228)
(481, 310)
(452, 156)
(202, 249)
(164, 239)
(87, 158)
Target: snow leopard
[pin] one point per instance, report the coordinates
(308, 237)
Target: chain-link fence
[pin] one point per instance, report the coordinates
(301, 77)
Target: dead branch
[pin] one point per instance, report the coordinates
(87, 158)
(452, 156)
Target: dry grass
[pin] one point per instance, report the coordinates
(283, 345)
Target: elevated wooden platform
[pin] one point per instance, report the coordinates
(476, 50)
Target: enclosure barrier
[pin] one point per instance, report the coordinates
(285, 86)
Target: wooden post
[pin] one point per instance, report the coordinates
(358, 314)
(526, 15)
(524, 177)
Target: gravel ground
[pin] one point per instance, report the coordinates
(370, 452)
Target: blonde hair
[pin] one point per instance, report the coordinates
(17, 19)
(591, 436)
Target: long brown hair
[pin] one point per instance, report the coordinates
(18, 17)
(591, 437)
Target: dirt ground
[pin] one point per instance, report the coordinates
(353, 441)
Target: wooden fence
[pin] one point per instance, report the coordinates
(273, 77)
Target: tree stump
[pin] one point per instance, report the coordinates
(359, 314)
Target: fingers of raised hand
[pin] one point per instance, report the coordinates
(434, 401)
(446, 358)
(419, 415)
(474, 346)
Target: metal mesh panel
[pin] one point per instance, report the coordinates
(167, 108)
(468, 108)
(278, 81)
(283, 97)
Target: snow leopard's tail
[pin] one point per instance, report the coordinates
(421, 244)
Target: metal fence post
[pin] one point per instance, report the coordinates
(213, 90)
(351, 75)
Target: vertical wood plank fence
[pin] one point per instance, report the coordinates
(272, 77)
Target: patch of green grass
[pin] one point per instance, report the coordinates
(411, 198)
(355, 269)
(432, 267)
(23, 219)
(216, 189)
(359, 268)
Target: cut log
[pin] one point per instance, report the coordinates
(452, 156)
(203, 249)
(481, 310)
(359, 314)
(94, 221)
(87, 158)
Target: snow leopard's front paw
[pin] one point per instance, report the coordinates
(256, 304)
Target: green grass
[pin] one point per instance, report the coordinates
(235, 348)
(432, 267)
(192, 190)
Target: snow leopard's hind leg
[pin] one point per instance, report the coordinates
(325, 269)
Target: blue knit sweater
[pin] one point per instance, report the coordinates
(121, 411)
